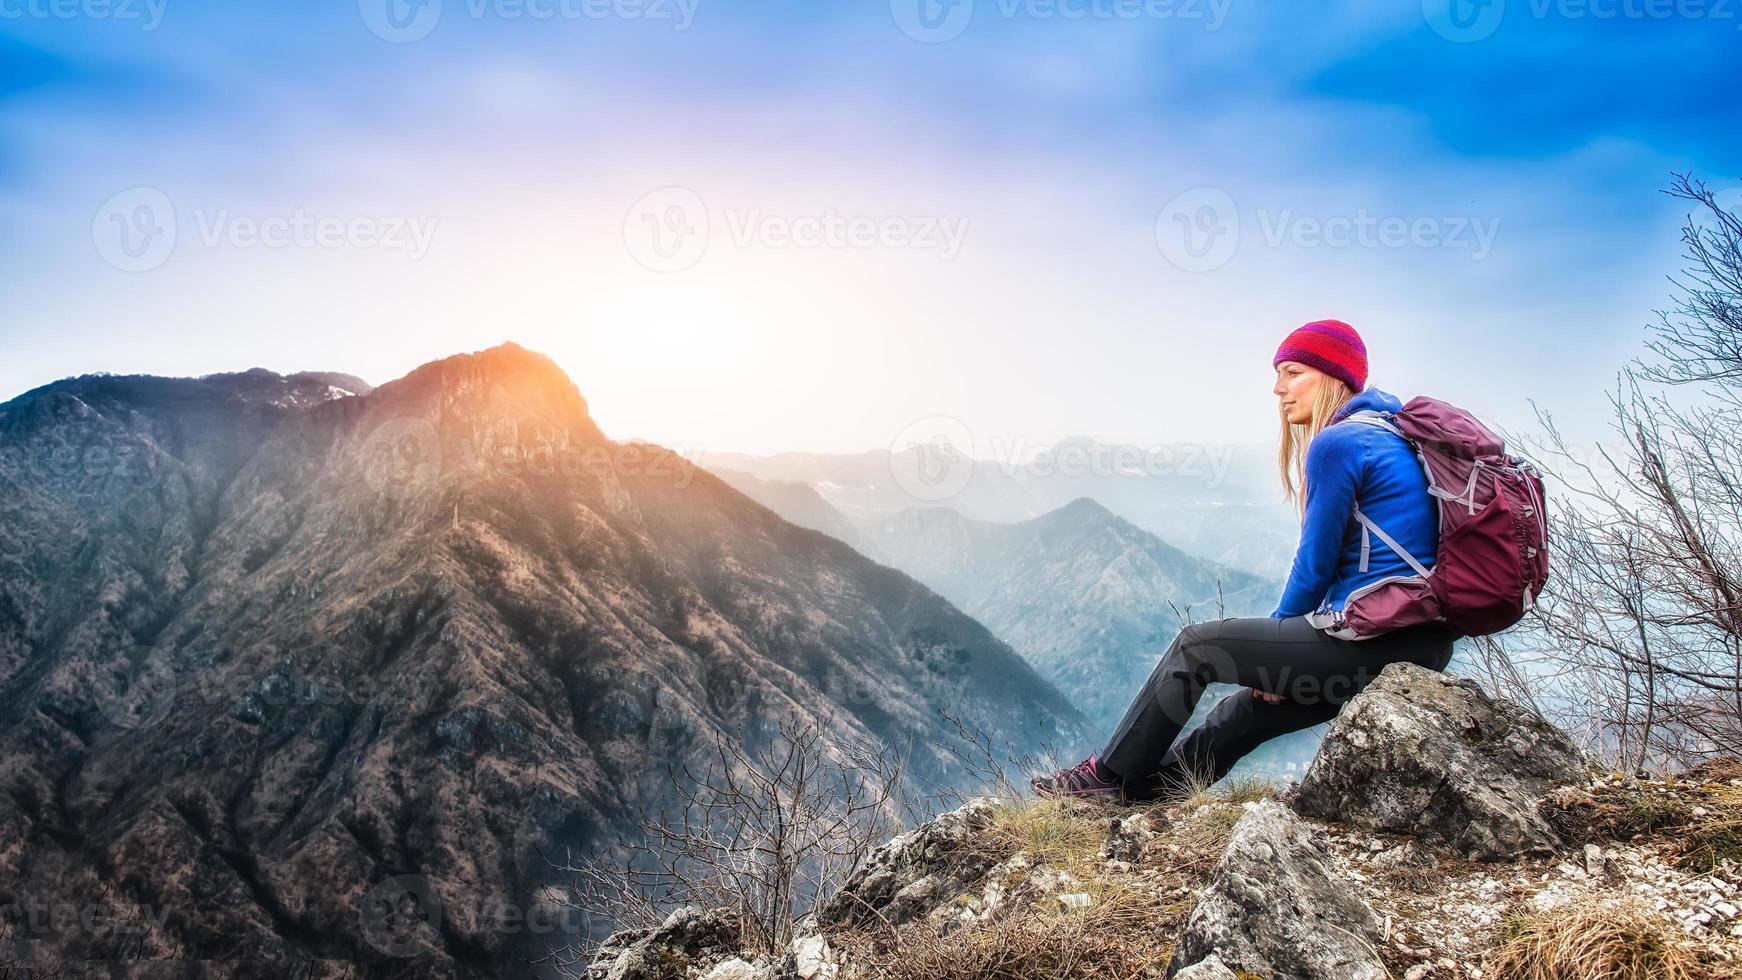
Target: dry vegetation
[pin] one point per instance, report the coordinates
(1596, 940)
(1058, 905)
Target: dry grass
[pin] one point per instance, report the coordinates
(1700, 812)
(1053, 832)
(1713, 837)
(1594, 940)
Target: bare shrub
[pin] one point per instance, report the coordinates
(1636, 644)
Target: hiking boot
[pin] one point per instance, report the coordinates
(1085, 779)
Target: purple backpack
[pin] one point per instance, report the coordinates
(1492, 558)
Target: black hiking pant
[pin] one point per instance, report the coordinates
(1315, 673)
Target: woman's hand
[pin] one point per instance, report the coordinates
(1272, 698)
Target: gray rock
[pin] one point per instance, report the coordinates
(736, 969)
(688, 938)
(1419, 752)
(915, 872)
(1127, 837)
(1209, 968)
(811, 958)
(1272, 909)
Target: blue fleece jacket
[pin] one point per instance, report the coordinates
(1364, 464)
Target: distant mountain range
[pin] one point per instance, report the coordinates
(1222, 503)
(1088, 598)
(277, 651)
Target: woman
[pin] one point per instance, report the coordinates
(1294, 675)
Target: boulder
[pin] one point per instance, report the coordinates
(1419, 752)
(915, 872)
(1272, 909)
(689, 939)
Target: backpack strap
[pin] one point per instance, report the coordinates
(1368, 416)
(1368, 525)
(1381, 420)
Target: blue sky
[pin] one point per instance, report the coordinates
(880, 212)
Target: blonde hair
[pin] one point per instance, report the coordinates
(1291, 459)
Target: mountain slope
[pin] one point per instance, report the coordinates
(796, 502)
(310, 652)
(1087, 597)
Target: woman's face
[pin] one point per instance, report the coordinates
(1297, 386)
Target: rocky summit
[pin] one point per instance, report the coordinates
(294, 670)
(1517, 860)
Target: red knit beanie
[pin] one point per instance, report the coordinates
(1332, 346)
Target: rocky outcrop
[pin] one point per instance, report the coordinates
(689, 939)
(917, 871)
(1273, 909)
(1419, 761)
(1420, 752)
